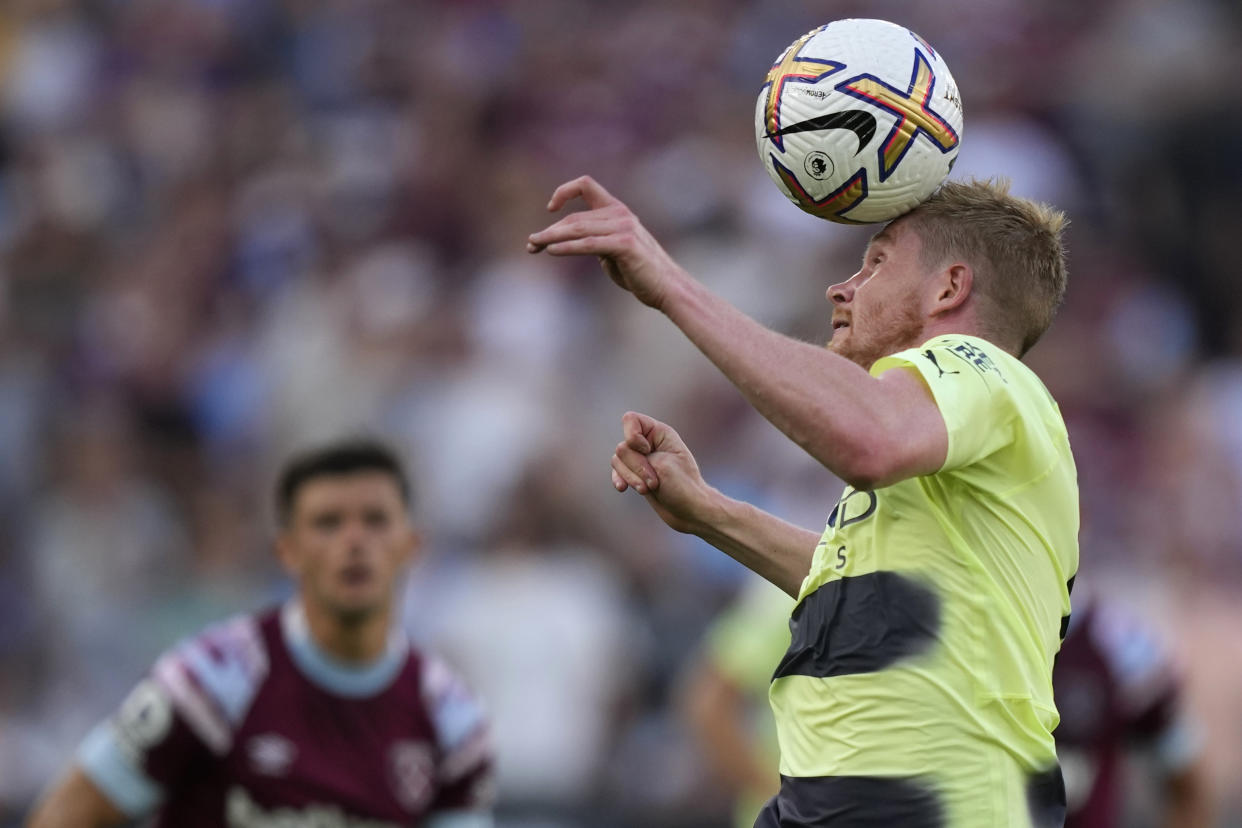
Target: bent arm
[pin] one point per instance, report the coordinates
(75, 802)
(655, 462)
(869, 431)
(772, 548)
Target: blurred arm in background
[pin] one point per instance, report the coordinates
(1187, 804)
(75, 802)
(724, 702)
(1176, 753)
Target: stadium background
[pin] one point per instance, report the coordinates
(229, 227)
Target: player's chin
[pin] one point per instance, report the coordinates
(357, 603)
(842, 346)
(353, 613)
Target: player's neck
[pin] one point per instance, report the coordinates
(964, 321)
(349, 640)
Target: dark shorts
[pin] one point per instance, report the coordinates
(888, 802)
(853, 801)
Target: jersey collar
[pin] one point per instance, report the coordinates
(332, 674)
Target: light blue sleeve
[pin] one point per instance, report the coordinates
(460, 819)
(1179, 745)
(105, 763)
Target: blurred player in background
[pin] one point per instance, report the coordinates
(917, 690)
(1119, 698)
(726, 691)
(319, 712)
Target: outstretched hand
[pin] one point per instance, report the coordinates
(608, 230)
(653, 460)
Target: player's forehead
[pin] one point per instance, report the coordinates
(894, 235)
(365, 487)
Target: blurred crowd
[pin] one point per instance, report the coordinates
(230, 228)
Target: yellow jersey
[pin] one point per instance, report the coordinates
(917, 688)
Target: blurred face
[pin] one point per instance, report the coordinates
(347, 541)
(879, 310)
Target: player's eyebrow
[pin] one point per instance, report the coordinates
(880, 239)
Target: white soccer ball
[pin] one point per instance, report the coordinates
(859, 121)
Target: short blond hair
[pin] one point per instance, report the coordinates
(1014, 247)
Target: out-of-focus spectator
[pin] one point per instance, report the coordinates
(540, 626)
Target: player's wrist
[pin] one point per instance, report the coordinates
(679, 294)
(714, 514)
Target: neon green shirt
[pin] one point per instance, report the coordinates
(924, 635)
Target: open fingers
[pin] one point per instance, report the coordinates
(605, 246)
(585, 187)
(572, 227)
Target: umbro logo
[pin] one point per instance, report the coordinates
(271, 754)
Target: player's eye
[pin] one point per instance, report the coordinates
(872, 260)
(326, 521)
(375, 519)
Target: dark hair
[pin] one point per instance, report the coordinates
(332, 460)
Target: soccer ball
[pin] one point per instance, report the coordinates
(858, 121)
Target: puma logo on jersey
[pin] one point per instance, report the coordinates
(931, 355)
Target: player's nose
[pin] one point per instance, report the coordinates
(842, 292)
(355, 540)
(356, 551)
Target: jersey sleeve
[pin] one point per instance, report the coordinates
(181, 715)
(465, 775)
(971, 390)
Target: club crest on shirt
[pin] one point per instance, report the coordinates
(271, 754)
(411, 772)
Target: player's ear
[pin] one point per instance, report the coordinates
(412, 545)
(286, 551)
(953, 286)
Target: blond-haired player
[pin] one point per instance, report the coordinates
(917, 688)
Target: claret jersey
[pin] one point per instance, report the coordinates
(1118, 691)
(918, 684)
(250, 725)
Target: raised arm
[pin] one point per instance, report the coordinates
(868, 431)
(75, 802)
(653, 460)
